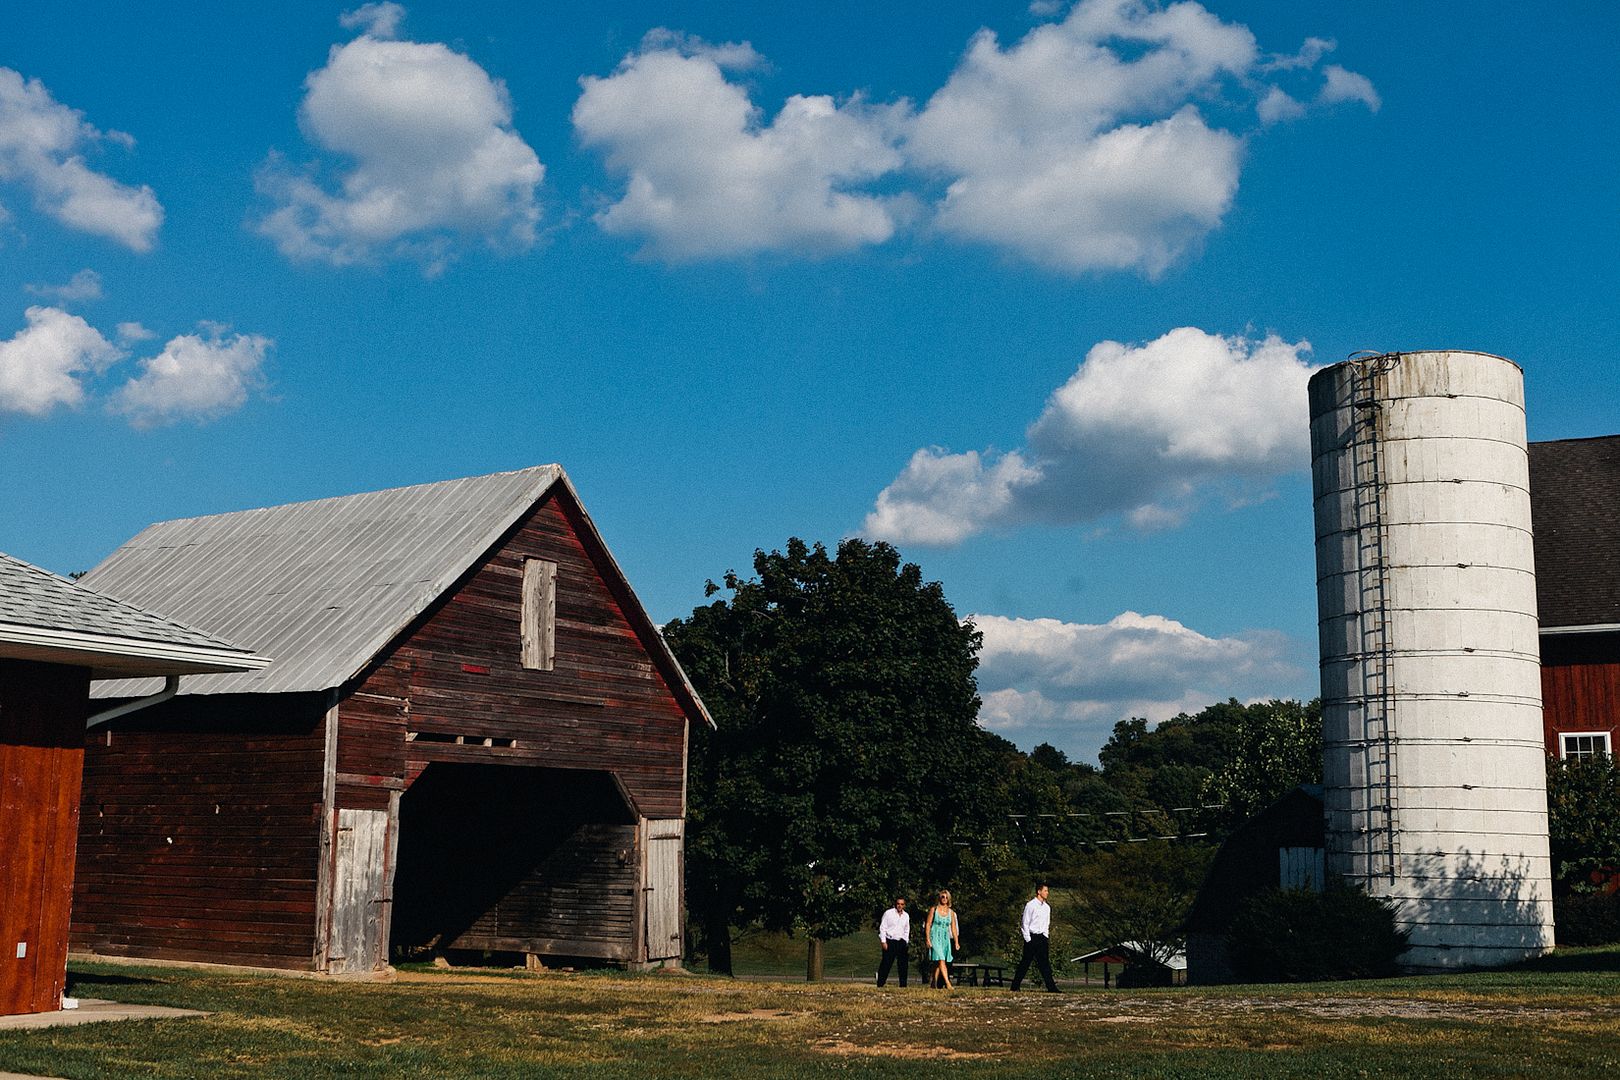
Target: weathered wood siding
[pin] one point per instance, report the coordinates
(199, 833)
(42, 711)
(603, 705)
(1580, 686)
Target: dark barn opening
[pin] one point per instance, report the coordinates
(505, 858)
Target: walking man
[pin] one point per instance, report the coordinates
(1037, 926)
(894, 934)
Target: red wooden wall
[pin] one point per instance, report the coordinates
(200, 832)
(605, 704)
(1580, 686)
(42, 711)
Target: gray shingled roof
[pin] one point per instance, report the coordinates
(1575, 511)
(321, 586)
(33, 597)
(50, 619)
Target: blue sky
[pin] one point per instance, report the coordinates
(1031, 290)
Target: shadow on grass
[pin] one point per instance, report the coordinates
(79, 979)
(1602, 958)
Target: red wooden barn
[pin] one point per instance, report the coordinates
(55, 637)
(1575, 511)
(472, 737)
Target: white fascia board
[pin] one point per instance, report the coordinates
(1594, 628)
(198, 658)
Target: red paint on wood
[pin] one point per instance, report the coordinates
(42, 711)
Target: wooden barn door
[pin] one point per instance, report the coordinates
(663, 887)
(359, 892)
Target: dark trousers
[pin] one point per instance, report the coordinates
(1039, 950)
(894, 954)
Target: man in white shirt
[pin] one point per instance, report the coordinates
(894, 934)
(1037, 927)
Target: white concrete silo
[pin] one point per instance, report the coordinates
(1431, 693)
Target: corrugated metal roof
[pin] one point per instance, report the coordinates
(321, 586)
(33, 597)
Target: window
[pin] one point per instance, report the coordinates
(539, 614)
(1582, 744)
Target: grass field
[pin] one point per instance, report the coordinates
(1557, 1018)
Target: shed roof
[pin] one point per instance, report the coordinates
(325, 586)
(49, 618)
(1575, 511)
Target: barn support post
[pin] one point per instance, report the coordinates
(328, 832)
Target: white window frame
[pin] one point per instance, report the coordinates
(1563, 747)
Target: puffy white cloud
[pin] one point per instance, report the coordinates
(1341, 85)
(1082, 146)
(1044, 680)
(196, 376)
(432, 151)
(706, 176)
(42, 147)
(42, 366)
(85, 285)
(1079, 146)
(1139, 430)
(129, 332)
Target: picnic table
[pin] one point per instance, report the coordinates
(978, 975)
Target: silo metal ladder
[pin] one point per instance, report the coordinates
(1377, 695)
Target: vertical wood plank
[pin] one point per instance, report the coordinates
(539, 614)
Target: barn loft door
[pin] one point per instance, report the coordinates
(359, 898)
(663, 887)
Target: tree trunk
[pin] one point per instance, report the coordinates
(717, 929)
(812, 962)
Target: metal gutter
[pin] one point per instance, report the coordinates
(210, 659)
(171, 686)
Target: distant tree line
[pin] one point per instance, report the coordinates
(848, 766)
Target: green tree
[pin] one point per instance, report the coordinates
(1583, 820)
(1139, 893)
(847, 746)
(1278, 747)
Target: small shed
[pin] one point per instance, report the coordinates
(473, 737)
(56, 637)
(1137, 964)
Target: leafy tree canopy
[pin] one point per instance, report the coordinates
(843, 688)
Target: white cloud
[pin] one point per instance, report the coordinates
(1141, 431)
(196, 377)
(129, 332)
(1069, 683)
(85, 285)
(1341, 85)
(706, 176)
(432, 151)
(1080, 146)
(1083, 146)
(42, 147)
(380, 20)
(1278, 106)
(42, 366)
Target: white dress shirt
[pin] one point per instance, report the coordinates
(1037, 917)
(896, 926)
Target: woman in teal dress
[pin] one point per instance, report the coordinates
(943, 940)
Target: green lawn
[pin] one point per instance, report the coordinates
(1557, 1018)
